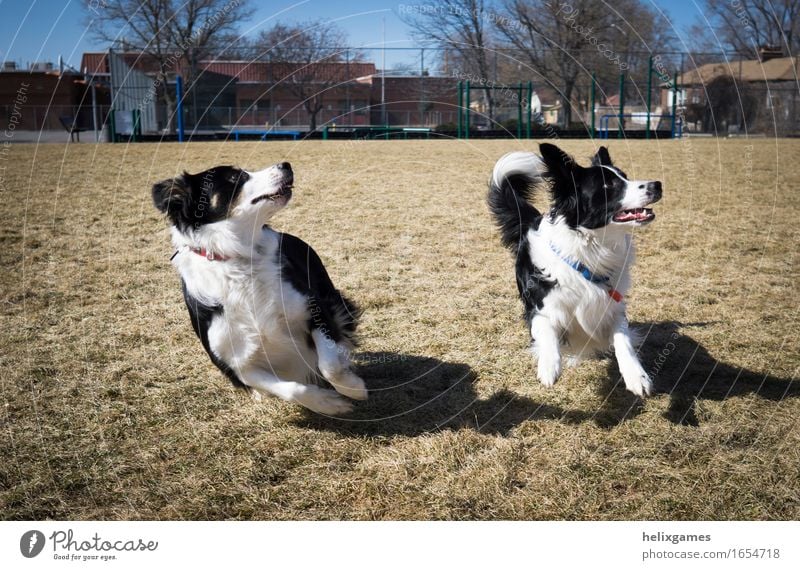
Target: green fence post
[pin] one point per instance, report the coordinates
(593, 95)
(519, 111)
(460, 107)
(530, 99)
(620, 120)
(466, 115)
(649, 94)
(674, 103)
(137, 126)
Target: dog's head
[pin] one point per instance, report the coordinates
(224, 193)
(599, 195)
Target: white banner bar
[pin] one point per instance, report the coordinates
(400, 545)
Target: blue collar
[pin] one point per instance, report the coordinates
(587, 274)
(579, 267)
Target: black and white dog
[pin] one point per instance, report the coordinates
(573, 263)
(261, 301)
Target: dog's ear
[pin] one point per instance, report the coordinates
(602, 158)
(564, 173)
(560, 165)
(171, 195)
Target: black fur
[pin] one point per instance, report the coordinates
(585, 197)
(533, 285)
(513, 213)
(331, 312)
(201, 316)
(192, 200)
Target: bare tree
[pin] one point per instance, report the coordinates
(744, 26)
(311, 54)
(566, 42)
(464, 28)
(167, 31)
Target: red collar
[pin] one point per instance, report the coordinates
(209, 255)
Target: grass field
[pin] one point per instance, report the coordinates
(111, 409)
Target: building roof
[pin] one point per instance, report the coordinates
(777, 69)
(242, 71)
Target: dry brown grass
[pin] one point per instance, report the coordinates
(112, 410)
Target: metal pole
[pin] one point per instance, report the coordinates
(460, 108)
(674, 103)
(179, 106)
(620, 120)
(383, 76)
(649, 94)
(422, 85)
(519, 111)
(593, 95)
(466, 111)
(112, 93)
(530, 101)
(347, 103)
(94, 112)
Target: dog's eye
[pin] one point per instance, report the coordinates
(233, 178)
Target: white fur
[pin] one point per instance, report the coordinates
(635, 194)
(517, 162)
(582, 309)
(578, 312)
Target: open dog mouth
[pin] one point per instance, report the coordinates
(641, 215)
(285, 191)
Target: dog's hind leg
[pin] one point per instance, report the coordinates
(636, 379)
(333, 361)
(546, 348)
(314, 398)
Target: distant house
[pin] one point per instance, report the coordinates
(736, 95)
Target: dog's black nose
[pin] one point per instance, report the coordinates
(654, 191)
(284, 166)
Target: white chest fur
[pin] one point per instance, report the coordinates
(583, 312)
(264, 319)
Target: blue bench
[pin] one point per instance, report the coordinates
(264, 133)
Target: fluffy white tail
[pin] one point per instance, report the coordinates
(516, 163)
(513, 181)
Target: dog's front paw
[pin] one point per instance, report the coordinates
(548, 369)
(349, 384)
(326, 402)
(637, 381)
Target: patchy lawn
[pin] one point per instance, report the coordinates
(112, 410)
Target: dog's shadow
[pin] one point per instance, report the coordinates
(411, 395)
(685, 371)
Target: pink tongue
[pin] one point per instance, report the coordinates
(637, 214)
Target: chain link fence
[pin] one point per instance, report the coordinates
(419, 87)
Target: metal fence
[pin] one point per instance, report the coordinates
(226, 118)
(32, 120)
(418, 89)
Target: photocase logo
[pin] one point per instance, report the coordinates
(31, 543)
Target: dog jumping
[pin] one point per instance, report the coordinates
(573, 262)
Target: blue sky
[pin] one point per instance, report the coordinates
(41, 30)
